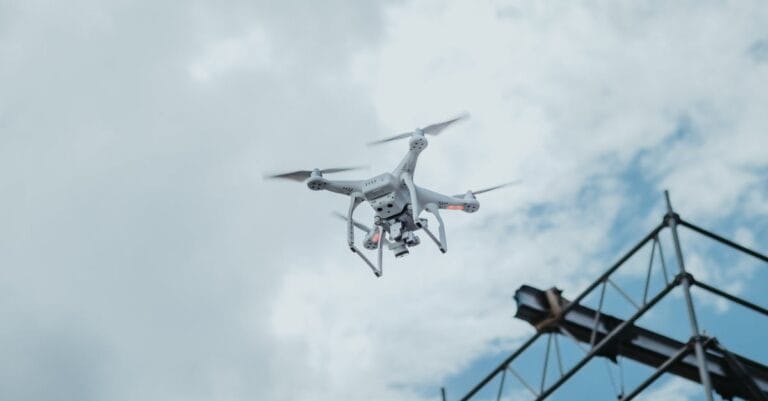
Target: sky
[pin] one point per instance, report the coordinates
(143, 256)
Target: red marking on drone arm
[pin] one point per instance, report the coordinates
(455, 207)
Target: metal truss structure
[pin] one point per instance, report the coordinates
(702, 358)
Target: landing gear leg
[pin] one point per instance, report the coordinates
(414, 198)
(354, 202)
(443, 242)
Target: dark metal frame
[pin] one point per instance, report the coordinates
(697, 343)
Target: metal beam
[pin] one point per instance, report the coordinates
(502, 366)
(641, 345)
(733, 298)
(680, 354)
(672, 219)
(724, 240)
(612, 331)
(607, 340)
(650, 236)
(740, 374)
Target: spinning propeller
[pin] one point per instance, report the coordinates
(480, 191)
(433, 129)
(302, 175)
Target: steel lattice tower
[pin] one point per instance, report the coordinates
(702, 358)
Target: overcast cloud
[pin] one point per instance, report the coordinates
(143, 257)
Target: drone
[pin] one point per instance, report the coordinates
(396, 200)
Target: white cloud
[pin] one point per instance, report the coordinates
(170, 270)
(250, 51)
(564, 97)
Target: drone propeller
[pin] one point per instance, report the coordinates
(302, 175)
(356, 223)
(433, 129)
(480, 191)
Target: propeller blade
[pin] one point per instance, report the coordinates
(495, 187)
(432, 129)
(484, 190)
(341, 169)
(435, 129)
(354, 222)
(390, 139)
(302, 175)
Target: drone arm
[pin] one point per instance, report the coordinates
(414, 197)
(408, 164)
(339, 187)
(467, 204)
(416, 145)
(443, 242)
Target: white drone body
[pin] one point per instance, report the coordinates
(396, 201)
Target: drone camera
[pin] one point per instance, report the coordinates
(399, 249)
(411, 239)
